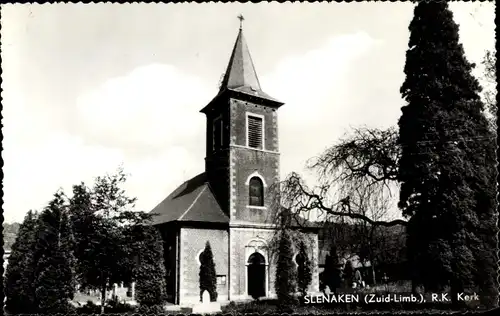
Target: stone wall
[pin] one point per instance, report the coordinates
(193, 242)
(244, 242)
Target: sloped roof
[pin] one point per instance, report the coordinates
(240, 70)
(240, 74)
(193, 201)
(255, 93)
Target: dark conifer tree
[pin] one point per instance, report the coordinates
(208, 278)
(332, 274)
(286, 275)
(447, 168)
(150, 270)
(19, 275)
(304, 271)
(54, 281)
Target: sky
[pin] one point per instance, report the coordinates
(90, 87)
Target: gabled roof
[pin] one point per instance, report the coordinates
(193, 201)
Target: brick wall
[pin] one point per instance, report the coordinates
(192, 243)
(246, 161)
(217, 167)
(238, 114)
(217, 162)
(241, 238)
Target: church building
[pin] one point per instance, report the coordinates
(228, 205)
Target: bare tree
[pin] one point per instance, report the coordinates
(361, 165)
(356, 180)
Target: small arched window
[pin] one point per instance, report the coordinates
(256, 192)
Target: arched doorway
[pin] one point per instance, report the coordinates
(256, 275)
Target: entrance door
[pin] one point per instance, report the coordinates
(256, 275)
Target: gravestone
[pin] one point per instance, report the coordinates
(206, 307)
(205, 297)
(327, 290)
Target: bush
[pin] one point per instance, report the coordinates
(114, 306)
(253, 307)
(89, 308)
(153, 309)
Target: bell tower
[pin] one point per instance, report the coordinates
(242, 153)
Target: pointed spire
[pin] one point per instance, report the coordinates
(240, 78)
(240, 70)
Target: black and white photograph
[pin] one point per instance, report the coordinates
(263, 158)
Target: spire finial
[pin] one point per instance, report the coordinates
(241, 18)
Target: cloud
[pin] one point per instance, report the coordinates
(155, 177)
(147, 121)
(315, 89)
(33, 172)
(148, 118)
(154, 105)
(476, 26)
(312, 79)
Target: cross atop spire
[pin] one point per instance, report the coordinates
(240, 71)
(240, 75)
(241, 18)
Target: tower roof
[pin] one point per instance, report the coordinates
(240, 71)
(240, 78)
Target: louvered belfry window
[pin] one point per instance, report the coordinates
(256, 193)
(255, 132)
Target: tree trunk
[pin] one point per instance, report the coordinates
(374, 280)
(454, 291)
(103, 298)
(414, 287)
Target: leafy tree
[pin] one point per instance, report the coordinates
(82, 219)
(54, 272)
(208, 278)
(149, 268)
(19, 275)
(100, 216)
(285, 283)
(447, 165)
(304, 271)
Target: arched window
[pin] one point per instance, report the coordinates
(256, 192)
